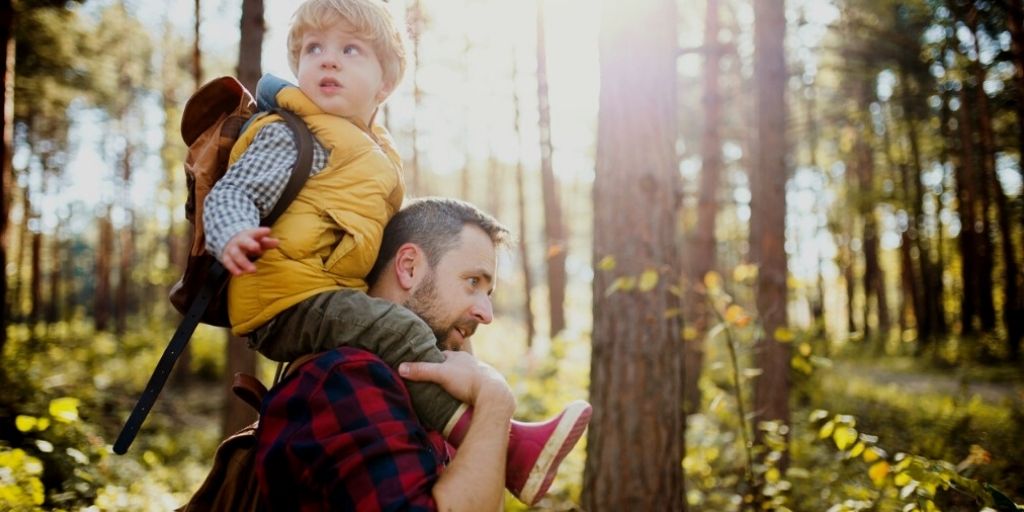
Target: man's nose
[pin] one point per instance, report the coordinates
(483, 310)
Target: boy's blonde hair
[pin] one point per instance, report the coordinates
(371, 20)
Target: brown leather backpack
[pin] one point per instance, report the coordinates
(212, 121)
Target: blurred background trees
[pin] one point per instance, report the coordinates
(777, 244)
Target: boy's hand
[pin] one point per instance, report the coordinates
(246, 247)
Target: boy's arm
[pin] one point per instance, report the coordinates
(250, 189)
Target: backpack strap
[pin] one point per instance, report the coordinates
(216, 279)
(304, 143)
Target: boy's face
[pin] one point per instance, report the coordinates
(340, 72)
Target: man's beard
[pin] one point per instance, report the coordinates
(424, 302)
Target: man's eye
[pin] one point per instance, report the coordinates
(474, 281)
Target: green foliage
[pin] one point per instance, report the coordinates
(67, 390)
(903, 481)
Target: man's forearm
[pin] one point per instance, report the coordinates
(475, 479)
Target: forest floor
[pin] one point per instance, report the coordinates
(994, 385)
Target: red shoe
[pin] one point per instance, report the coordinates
(535, 450)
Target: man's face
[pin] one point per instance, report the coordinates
(455, 296)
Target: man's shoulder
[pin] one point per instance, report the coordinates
(349, 363)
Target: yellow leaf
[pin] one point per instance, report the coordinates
(817, 415)
(901, 479)
(648, 280)
(555, 250)
(43, 424)
(624, 283)
(857, 449)
(805, 349)
(689, 333)
(784, 335)
(772, 475)
(675, 290)
(744, 272)
(64, 409)
(607, 263)
(827, 429)
(872, 454)
(712, 280)
(737, 316)
(878, 471)
(24, 423)
(844, 436)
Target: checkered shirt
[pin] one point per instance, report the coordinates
(252, 185)
(340, 434)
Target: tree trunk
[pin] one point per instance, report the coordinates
(702, 255)
(6, 151)
(524, 252)
(414, 19)
(1013, 309)
(1015, 19)
(979, 207)
(874, 276)
(768, 215)
(197, 53)
(966, 241)
(126, 245)
(554, 227)
(240, 358)
(101, 305)
(36, 280)
(53, 303)
(635, 444)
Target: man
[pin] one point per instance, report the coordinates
(340, 433)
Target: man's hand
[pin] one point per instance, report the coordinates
(463, 376)
(246, 247)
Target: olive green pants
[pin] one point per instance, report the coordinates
(351, 318)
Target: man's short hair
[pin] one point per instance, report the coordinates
(435, 225)
(371, 20)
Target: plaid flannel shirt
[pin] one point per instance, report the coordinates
(341, 434)
(252, 185)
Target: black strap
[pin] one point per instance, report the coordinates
(216, 278)
(304, 142)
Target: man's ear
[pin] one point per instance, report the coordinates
(409, 262)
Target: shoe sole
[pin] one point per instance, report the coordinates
(569, 430)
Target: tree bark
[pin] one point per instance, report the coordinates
(6, 150)
(524, 252)
(1013, 308)
(36, 280)
(1015, 20)
(197, 53)
(768, 215)
(101, 304)
(240, 358)
(702, 255)
(414, 18)
(554, 227)
(635, 443)
(966, 240)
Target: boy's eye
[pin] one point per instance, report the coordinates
(314, 49)
(352, 50)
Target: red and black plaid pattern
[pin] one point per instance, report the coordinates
(341, 434)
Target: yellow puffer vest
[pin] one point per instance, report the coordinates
(331, 233)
